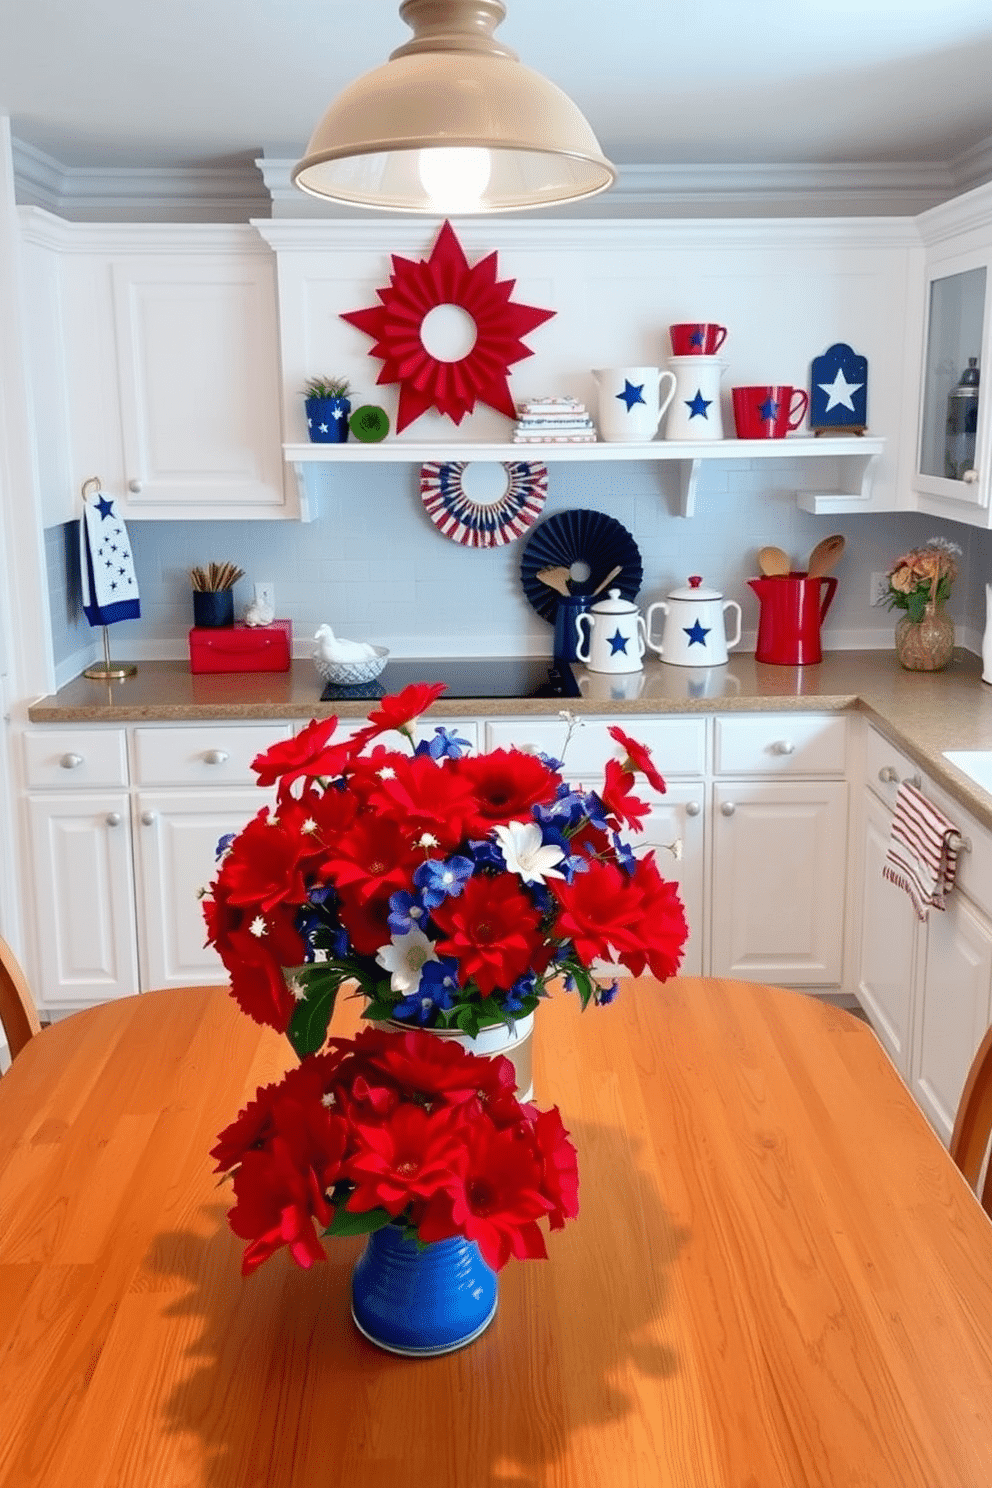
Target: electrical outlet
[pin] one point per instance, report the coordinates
(879, 588)
(265, 594)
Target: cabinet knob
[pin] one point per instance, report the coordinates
(888, 775)
(969, 477)
(134, 485)
(113, 818)
(728, 808)
(783, 746)
(71, 761)
(692, 808)
(148, 818)
(215, 756)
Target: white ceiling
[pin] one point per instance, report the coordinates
(178, 83)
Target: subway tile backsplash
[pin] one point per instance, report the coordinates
(374, 566)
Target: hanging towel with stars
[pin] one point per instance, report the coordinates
(110, 589)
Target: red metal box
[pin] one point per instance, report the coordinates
(241, 648)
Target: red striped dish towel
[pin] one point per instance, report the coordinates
(923, 850)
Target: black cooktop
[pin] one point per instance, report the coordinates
(468, 677)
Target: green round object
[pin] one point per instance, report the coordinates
(369, 423)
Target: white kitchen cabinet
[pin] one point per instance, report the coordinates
(952, 472)
(155, 369)
(83, 892)
(176, 835)
(926, 986)
(124, 826)
(779, 825)
(955, 1007)
(887, 958)
(197, 368)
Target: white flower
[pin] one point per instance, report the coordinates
(427, 839)
(404, 958)
(296, 989)
(309, 825)
(386, 773)
(526, 854)
(258, 927)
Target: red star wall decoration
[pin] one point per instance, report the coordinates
(416, 288)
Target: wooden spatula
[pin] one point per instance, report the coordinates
(557, 579)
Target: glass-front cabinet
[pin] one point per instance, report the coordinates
(954, 436)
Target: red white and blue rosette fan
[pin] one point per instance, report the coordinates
(477, 524)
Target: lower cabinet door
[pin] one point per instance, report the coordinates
(83, 897)
(955, 1012)
(779, 854)
(676, 820)
(176, 836)
(889, 937)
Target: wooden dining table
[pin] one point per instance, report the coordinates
(777, 1277)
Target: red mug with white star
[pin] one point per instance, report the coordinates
(769, 411)
(697, 338)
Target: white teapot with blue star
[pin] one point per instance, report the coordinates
(611, 635)
(694, 633)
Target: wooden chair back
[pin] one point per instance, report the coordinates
(973, 1124)
(17, 1010)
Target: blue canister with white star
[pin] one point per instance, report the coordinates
(694, 631)
(611, 635)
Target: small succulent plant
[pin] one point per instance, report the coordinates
(327, 387)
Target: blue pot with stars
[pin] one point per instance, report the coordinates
(694, 629)
(611, 635)
(327, 420)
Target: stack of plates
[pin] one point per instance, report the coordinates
(554, 421)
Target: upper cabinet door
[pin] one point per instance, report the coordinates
(198, 373)
(954, 435)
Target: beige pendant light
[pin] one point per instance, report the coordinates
(453, 123)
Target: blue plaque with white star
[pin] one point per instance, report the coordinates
(838, 392)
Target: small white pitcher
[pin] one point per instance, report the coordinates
(631, 402)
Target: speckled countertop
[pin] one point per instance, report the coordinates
(923, 713)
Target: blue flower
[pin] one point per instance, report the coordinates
(486, 854)
(445, 744)
(625, 854)
(406, 913)
(436, 992)
(223, 843)
(513, 1000)
(605, 995)
(442, 878)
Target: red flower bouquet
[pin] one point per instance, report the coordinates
(451, 890)
(397, 1128)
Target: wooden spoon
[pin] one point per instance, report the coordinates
(557, 579)
(773, 562)
(608, 580)
(824, 556)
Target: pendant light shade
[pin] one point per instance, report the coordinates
(453, 123)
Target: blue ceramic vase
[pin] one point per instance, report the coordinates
(421, 1301)
(327, 420)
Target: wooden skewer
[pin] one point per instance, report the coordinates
(215, 578)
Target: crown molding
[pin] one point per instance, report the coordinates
(240, 190)
(225, 193)
(48, 230)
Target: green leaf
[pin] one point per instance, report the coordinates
(308, 1025)
(346, 1223)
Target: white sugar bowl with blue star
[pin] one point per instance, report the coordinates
(694, 633)
(611, 635)
(696, 411)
